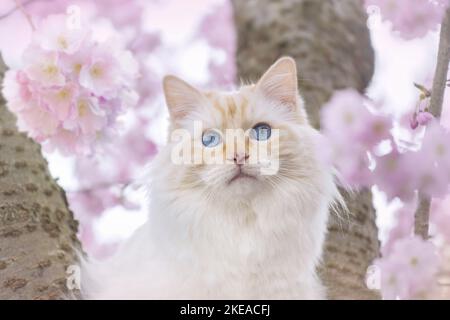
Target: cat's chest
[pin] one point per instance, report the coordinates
(246, 238)
(247, 261)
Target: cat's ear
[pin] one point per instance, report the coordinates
(181, 97)
(279, 83)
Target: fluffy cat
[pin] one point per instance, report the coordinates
(226, 231)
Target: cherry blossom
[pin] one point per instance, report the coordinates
(398, 173)
(101, 75)
(403, 227)
(423, 118)
(71, 88)
(345, 118)
(59, 100)
(408, 271)
(42, 67)
(55, 35)
(413, 18)
(395, 176)
(87, 116)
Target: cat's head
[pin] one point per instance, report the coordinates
(242, 143)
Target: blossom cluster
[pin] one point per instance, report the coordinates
(365, 152)
(411, 19)
(70, 88)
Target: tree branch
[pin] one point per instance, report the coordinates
(437, 99)
(422, 215)
(440, 78)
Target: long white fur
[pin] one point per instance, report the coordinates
(204, 240)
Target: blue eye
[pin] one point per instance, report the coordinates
(211, 138)
(261, 132)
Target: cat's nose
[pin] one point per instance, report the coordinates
(239, 158)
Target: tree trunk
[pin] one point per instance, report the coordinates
(331, 44)
(37, 229)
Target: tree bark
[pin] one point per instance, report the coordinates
(37, 229)
(331, 44)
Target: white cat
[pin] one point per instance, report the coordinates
(227, 231)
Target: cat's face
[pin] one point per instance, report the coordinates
(258, 138)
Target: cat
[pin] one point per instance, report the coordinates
(228, 230)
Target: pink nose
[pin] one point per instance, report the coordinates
(239, 158)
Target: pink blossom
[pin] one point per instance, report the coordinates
(413, 122)
(100, 75)
(421, 118)
(430, 179)
(428, 169)
(394, 282)
(346, 118)
(71, 88)
(54, 34)
(25, 87)
(214, 29)
(60, 100)
(67, 142)
(38, 122)
(394, 177)
(42, 66)
(436, 143)
(346, 115)
(413, 18)
(377, 129)
(433, 162)
(443, 3)
(145, 42)
(93, 201)
(403, 227)
(73, 63)
(16, 91)
(351, 161)
(409, 270)
(86, 116)
(129, 67)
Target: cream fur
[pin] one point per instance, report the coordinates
(207, 239)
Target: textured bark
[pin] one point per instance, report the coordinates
(37, 229)
(331, 44)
